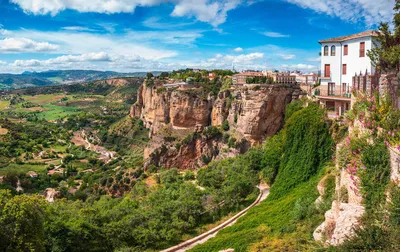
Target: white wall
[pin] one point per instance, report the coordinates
(354, 62)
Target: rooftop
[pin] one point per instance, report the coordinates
(349, 37)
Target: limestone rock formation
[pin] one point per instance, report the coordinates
(255, 112)
(252, 113)
(339, 224)
(51, 194)
(346, 211)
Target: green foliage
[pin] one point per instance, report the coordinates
(376, 175)
(226, 84)
(292, 108)
(22, 220)
(276, 216)
(271, 158)
(211, 132)
(149, 75)
(225, 125)
(386, 52)
(307, 146)
(260, 80)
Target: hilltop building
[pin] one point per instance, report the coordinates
(240, 78)
(341, 58)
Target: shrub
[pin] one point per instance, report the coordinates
(225, 125)
(376, 175)
(206, 159)
(189, 175)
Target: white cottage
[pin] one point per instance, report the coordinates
(341, 59)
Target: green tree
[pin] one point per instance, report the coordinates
(149, 75)
(385, 55)
(22, 223)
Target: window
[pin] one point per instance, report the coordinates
(331, 88)
(362, 49)
(327, 73)
(346, 50)
(344, 70)
(326, 51)
(333, 51)
(344, 88)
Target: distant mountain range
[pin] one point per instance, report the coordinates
(59, 77)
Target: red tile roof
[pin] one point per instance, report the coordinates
(353, 36)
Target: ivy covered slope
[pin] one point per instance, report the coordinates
(293, 161)
(368, 154)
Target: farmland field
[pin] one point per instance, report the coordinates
(4, 104)
(54, 112)
(22, 168)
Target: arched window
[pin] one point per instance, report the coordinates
(326, 51)
(333, 50)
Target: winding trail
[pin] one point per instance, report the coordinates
(264, 192)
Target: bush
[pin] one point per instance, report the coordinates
(375, 177)
(225, 125)
(189, 175)
(206, 159)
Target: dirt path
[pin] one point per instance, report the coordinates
(264, 192)
(80, 139)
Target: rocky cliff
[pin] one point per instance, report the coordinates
(255, 112)
(173, 113)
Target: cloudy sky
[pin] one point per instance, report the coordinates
(145, 35)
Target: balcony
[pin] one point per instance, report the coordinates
(325, 93)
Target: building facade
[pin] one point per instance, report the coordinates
(341, 59)
(240, 78)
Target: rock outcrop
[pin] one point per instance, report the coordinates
(346, 211)
(51, 194)
(252, 113)
(255, 111)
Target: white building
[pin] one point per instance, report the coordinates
(341, 59)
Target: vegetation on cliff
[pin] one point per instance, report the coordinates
(287, 218)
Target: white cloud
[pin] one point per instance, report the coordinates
(317, 59)
(238, 49)
(287, 56)
(3, 31)
(213, 12)
(26, 63)
(300, 67)
(275, 35)
(65, 59)
(19, 45)
(3, 62)
(370, 11)
(156, 23)
(77, 28)
(129, 43)
(242, 58)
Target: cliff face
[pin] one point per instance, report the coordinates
(252, 113)
(255, 112)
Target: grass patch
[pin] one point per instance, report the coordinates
(54, 112)
(23, 168)
(4, 104)
(275, 215)
(43, 99)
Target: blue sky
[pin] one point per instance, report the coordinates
(146, 35)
